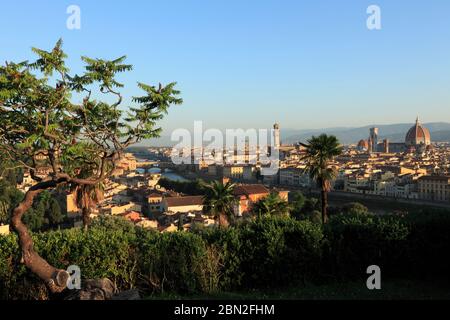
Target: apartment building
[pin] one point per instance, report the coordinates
(435, 188)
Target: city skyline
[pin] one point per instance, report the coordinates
(397, 131)
(224, 156)
(242, 64)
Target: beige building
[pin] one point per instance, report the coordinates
(4, 230)
(233, 172)
(170, 228)
(154, 201)
(27, 182)
(182, 204)
(294, 177)
(400, 170)
(435, 188)
(148, 224)
(117, 209)
(126, 163)
(72, 209)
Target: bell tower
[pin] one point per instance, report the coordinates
(276, 134)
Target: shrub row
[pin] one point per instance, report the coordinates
(266, 253)
(415, 246)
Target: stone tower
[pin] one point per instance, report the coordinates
(276, 133)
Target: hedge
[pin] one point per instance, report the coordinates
(266, 253)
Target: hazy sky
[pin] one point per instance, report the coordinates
(241, 63)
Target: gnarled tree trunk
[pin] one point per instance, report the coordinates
(86, 213)
(55, 279)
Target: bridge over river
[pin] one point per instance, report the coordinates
(167, 169)
(146, 165)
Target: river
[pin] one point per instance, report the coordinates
(168, 174)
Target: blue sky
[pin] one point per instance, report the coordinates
(305, 64)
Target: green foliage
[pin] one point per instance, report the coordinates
(9, 198)
(194, 188)
(45, 213)
(34, 217)
(44, 126)
(319, 151)
(39, 116)
(359, 240)
(11, 177)
(355, 208)
(155, 104)
(272, 252)
(270, 206)
(314, 216)
(48, 62)
(98, 253)
(54, 214)
(219, 200)
(230, 243)
(278, 251)
(429, 240)
(310, 210)
(171, 261)
(107, 223)
(297, 201)
(4, 212)
(12, 272)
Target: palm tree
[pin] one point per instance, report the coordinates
(219, 200)
(86, 197)
(319, 153)
(271, 205)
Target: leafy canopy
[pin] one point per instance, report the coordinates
(319, 152)
(52, 125)
(271, 205)
(219, 198)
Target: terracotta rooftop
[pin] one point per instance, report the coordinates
(154, 195)
(436, 178)
(184, 201)
(249, 189)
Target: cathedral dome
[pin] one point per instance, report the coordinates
(418, 135)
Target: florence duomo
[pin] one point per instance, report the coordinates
(418, 138)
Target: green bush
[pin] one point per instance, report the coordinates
(356, 241)
(11, 271)
(429, 244)
(265, 253)
(171, 261)
(277, 251)
(230, 245)
(99, 253)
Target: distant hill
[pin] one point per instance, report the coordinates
(440, 131)
(163, 141)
